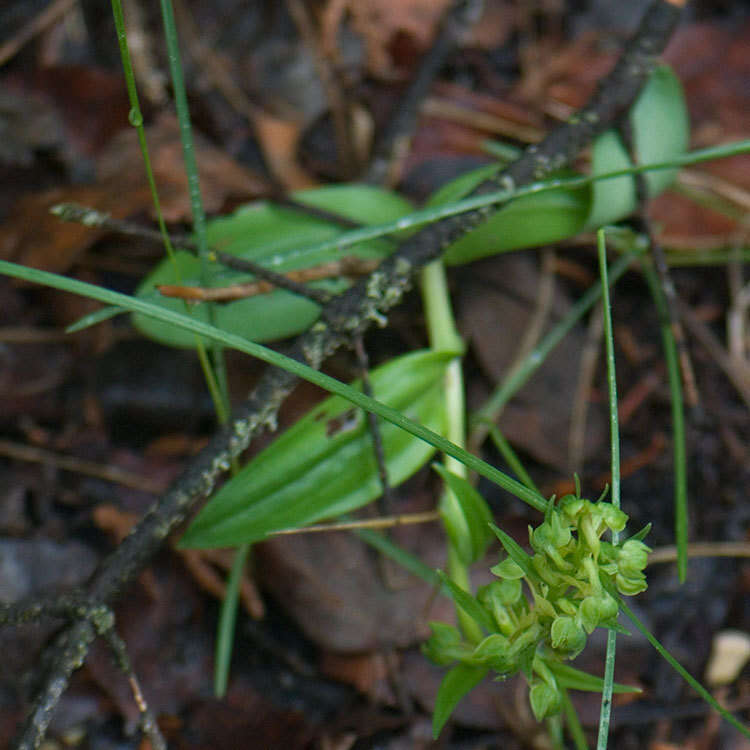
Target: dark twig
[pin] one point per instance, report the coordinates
(346, 316)
(90, 217)
(340, 108)
(457, 19)
(149, 727)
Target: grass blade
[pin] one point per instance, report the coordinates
(609, 665)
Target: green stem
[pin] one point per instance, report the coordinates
(136, 119)
(702, 692)
(215, 366)
(678, 420)
(499, 197)
(442, 332)
(520, 375)
(227, 622)
(609, 665)
(293, 366)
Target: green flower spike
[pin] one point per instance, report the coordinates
(567, 583)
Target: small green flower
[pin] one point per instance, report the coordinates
(569, 578)
(495, 652)
(445, 645)
(567, 636)
(596, 610)
(544, 699)
(632, 557)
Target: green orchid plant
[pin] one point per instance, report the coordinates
(571, 582)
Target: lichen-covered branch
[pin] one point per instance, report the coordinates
(346, 316)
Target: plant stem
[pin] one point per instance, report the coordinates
(609, 665)
(442, 332)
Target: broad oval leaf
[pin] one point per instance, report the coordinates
(324, 465)
(525, 222)
(270, 235)
(660, 126)
(466, 517)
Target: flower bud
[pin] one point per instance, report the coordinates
(567, 636)
(544, 699)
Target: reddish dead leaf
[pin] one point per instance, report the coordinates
(33, 237)
(348, 600)
(713, 65)
(368, 673)
(114, 521)
(93, 104)
(279, 140)
(220, 176)
(381, 24)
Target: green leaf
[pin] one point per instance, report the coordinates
(324, 465)
(574, 679)
(466, 517)
(455, 685)
(643, 533)
(270, 235)
(525, 222)
(94, 318)
(660, 127)
(468, 604)
(515, 552)
(528, 221)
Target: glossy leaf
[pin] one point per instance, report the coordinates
(525, 222)
(660, 127)
(270, 235)
(515, 552)
(466, 517)
(455, 685)
(660, 130)
(324, 465)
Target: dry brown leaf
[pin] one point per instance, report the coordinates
(279, 140)
(34, 237)
(380, 23)
(220, 176)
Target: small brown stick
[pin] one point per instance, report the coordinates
(385, 522)
(113, 474)
(42, 21)
(350, 266)
(341, 112)
(460, 15)
(739, 376)
(90, 217)
(149, 727)
(580, 408)
(700, 549)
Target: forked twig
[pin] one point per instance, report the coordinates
(347, 315)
